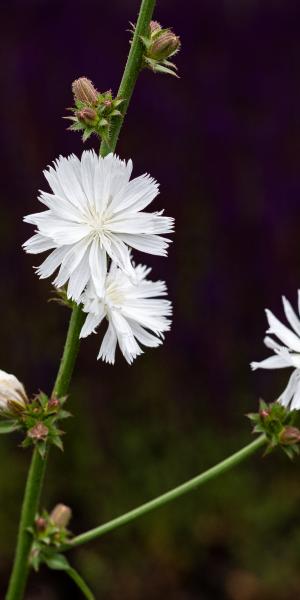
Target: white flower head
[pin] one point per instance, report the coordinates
(13, 397)
(286, 354)
(135, 311)
(95, 211)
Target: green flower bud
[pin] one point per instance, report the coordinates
(289, 436)
(88, 116)
(84, 91)
(164, 46)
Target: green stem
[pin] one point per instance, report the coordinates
(29, 508)
(37, 468)
(70, 352)
(182, 489)
(131, 72)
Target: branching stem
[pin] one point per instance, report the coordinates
(173, 494)
(38, 466)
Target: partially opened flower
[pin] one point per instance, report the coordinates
(95, 211)
(136, 313)
(286, 354)
(13, 397)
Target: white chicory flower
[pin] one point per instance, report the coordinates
(135, 313)
(286, 354)
(13, 397)
(95, 211)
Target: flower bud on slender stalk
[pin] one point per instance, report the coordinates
(13, 397)
(61, 516)
(84, 91)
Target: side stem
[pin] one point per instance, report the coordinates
(37, 469)
(173, 494)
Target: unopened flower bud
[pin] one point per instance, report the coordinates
(87, 116)
(164, 45)
(154, 26)
(61, 515)
(263, 414)
(289, 436)
(53, 402)
(13, 398)
(38, 431)
(40, 523)
(84, 91)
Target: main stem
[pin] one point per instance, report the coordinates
(173, 494)
(37, 469)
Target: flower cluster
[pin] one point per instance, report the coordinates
(95, 215)
(93, 111)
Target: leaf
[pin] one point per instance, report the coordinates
(8, 426)
(160, 69)
(80, 584)
(87, 133)
(57, 562)
(42, 448)
(118, 101)
(64, 414)
(43, 399)
(56, 441)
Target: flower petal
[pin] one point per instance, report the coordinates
(52, 262)
(291, 315)
(92, 321)
(108, 347)
(273, 362)
(282, 332)
(286, 396)
(98, 266)
(38, 243)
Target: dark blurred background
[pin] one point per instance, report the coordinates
(223, 141)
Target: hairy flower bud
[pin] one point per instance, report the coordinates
(84, 91)
(164, 45)
(61, 515)
(13, 398)
(154, 26)
(87, 116)
(289, 436)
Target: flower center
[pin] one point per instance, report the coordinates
(114, 295)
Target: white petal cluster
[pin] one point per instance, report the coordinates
(12, 393)
(95, 216)
(135, 311)
(286, 353)
(94, 212)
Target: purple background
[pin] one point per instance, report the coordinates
(223, 141)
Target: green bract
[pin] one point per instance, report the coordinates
(277, 423)
(96, 118)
